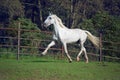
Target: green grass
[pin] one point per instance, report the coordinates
(52, 69)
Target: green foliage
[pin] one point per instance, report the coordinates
(27, 24)
(108, 25)
(87, 25)
(7, 53)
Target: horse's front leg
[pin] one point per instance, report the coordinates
(50, 45)
(65, 48)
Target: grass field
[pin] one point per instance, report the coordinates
(53, 69)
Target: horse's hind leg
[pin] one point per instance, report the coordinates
(85, 55)
(82, 49)
(78, 56)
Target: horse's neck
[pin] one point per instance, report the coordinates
(56, 29)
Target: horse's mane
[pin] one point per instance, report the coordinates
(59, 21)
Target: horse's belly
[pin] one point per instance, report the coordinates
(70, 38)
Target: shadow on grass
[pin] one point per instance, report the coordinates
(43, 61)
(48, 61)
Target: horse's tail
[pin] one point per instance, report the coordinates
(93, 39)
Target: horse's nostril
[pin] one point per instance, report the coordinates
(44, 24)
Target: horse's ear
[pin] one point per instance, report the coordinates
(50, 13)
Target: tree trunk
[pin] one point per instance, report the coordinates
(72, 16)
(40, 14)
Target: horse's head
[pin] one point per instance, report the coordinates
(50, 20)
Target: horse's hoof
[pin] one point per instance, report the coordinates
(70, 61)
(41, 55)
(86, 61)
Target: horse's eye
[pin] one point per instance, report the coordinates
(50, 18)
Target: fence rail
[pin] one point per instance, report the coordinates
(100, 55)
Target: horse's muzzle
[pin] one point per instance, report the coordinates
(44, 24)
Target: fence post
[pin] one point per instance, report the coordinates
(62, 55)
(18, 51)
(100, 47)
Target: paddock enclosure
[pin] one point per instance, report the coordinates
(15, 46)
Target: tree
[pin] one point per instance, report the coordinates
(12, 9)
(112, 6)
(9, 10)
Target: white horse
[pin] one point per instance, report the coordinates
(66, 35)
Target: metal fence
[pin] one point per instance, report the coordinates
(92, 52)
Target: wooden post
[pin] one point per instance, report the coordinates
(100, 47)
(18, 41)
(62, 55)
